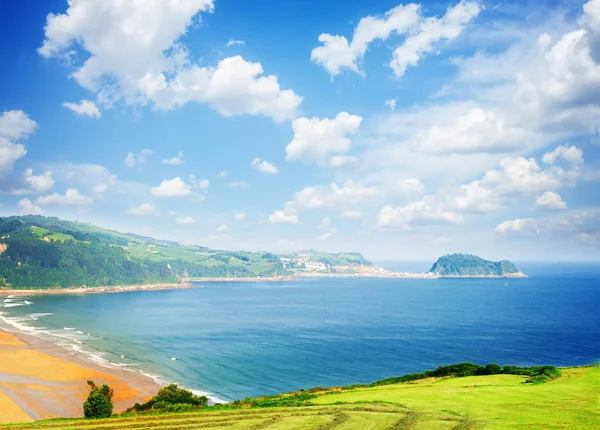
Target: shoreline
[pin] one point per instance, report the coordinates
(99, 290)
(40, 379)
(188, 283)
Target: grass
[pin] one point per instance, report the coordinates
(473, 402)
(46, 234)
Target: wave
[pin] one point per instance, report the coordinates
(69, 328)
(211, 397)
(12, 305)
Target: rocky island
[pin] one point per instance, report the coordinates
(471, 266)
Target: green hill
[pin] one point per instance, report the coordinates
(498, 401)
(46, 252)
(471, 265)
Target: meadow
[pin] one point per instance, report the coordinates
(472, 402)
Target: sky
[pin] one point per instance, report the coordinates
(400, 130)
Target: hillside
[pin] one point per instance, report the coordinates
(472, 402)
(471, 265)
(47, 252)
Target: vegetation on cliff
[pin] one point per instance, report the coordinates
(471, 265)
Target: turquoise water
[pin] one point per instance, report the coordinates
(234, 340)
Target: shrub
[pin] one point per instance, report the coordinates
(172, 398)
(99, 402)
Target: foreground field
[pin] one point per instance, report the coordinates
(476, 402)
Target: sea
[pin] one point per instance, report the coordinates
(231, 340)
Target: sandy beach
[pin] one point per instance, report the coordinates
(39, 379)
(100, 290)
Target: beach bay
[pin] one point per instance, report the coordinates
(233, 340)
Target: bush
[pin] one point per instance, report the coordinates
(171, 399)
(99, 402)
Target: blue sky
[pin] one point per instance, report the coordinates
(401, 130)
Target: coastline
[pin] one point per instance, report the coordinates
(99, 290)
(410, 275)
(40, 379)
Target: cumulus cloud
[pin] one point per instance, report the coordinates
(143, 209)
(39, 183)
(175, 187)
(282, 217)
(133, 159)
(349, 193)
(520, 226)
(201, 184)
(550, 201)
(222, 228)
(240, 216)
(410, 187)
(264, 166)
(337, 54)
(488, 194)
(564, 166)
(151, 65)
(187, 220)
(175, 161)
(72, 197)
(15, 125)
(391, 104)
(316, 140)
(84, 107)
(430, 31)
(27, 207)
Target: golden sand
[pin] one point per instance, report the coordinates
(11, 412)
(51, 386)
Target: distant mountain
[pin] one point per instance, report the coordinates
(471, 265)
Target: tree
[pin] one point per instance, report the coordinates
(99, 402)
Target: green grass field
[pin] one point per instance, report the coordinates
(43, 233)
(474, 402)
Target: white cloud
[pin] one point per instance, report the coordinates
(430, 31)
(264, 166)
(143, 209)
(474, 130)
(391, 104)
(525, 175)
(233, 42)
(40, 183)
(100, 188)
(187, 220)
(520, 226)
(222, 174)
(352, 214)
(350, 193)
(316, 140)
(175, 161)
(343, 161)
(337, 53)
(222, 228)
(84, 107)
(14, 125)
(27, 207)
(410, 187)
(550, 200)
(240, 216)
(72, 197)
(281, 217)
(515, 175)
(172, 188)
(133, 159)
(150, 65)
(201, 184)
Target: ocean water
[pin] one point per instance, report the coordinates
(233, 340)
